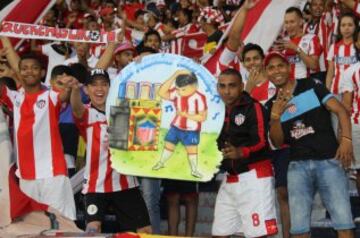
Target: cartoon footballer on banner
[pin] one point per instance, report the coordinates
(164, 115)
(191, 111)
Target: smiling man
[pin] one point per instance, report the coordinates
(301, 50)
(316, 157)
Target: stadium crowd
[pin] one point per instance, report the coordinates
(291, 127)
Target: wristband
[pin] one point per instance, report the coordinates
(348, 138)
(275, 116)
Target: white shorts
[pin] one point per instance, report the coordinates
(55, 192)
(246, 206)
(356, 145)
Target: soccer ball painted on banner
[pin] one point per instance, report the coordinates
(94, 35)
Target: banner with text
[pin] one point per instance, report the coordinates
(32, 31)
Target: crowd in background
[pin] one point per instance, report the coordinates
(320, 41)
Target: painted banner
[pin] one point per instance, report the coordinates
(164, 118)
(31, 31)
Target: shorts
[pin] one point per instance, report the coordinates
(280, 161)
(128, 205)
(245, 206)
(305, 178)
(69, 137)
(179, 187)
(356, 145)
(55, 192)
(174, 135)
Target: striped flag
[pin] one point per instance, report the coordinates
(190, 45)
(25, 11)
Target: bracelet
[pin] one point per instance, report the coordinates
(348, 138)
(275, 116)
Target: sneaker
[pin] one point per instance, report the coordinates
(196, 174)
(158, 166)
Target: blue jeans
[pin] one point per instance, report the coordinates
(151, 192)
(328, 178)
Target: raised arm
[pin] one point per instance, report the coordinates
(107, 57)
(11, 55)
(77, 105)
(166, 86)
(234, 40)
(68, 82)
(278, 108)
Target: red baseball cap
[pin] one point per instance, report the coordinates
(124, 46)
(274, 54)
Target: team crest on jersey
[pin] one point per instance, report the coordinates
(299, 130)
(92, 209)
(239, 119)
(271, 92)
(41, 103)
(292, 109)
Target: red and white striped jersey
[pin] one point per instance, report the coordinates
(350, 82)
(343, 56)
(99, 175)
(323, 30)
(263, 92)
(193, 104)
(38, 144)
(222, 59)
(310, 45)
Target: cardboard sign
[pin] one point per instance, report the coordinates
(164, 118)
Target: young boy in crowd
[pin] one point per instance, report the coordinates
(105, 186)
(68, 130)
